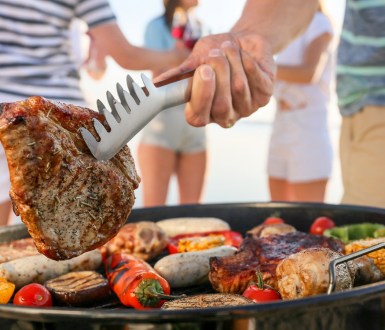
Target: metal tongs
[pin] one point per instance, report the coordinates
(333, 264)
(134, 111)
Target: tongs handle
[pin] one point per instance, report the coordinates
(173, 79)
(175, 90)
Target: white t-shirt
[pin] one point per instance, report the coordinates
(307, 95)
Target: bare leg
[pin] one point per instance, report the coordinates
(191, 175)
(156, 164)
(312, 191)
(279, 190)
(5, 212)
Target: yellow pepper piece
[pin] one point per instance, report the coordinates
(192, 244)
(6, 291)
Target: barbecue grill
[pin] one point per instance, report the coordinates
(360, 308)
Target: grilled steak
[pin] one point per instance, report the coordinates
(70, 202)
(232, 274)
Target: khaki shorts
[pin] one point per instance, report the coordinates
(362, 152)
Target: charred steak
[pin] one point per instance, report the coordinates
(232, 274)
(70, 202)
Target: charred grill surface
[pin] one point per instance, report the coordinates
(70, 202)
(233, 274)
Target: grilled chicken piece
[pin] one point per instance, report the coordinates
(234, 273)
(211, 300)
(306, 273)
(70, 202)
(144, 240)
(271, 229)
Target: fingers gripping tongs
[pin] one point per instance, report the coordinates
(134, 111)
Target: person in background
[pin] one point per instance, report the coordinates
(234, 77)
(36, 57)
(169, 145)
(300, 151)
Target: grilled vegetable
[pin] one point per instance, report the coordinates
(260, 292)
(273, 220)
(39, 268)
(135, 282)
(190, 268)
(377, 256)
(320, 224)
(354, 232)
(78, 288)
(6, 290)
(178, 226)
(203, 241)
(33, 294)
(208, 301)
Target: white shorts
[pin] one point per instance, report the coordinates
(170, 130)
(5, 184)
(300, 149)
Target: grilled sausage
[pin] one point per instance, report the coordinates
(39, 268)
(177, 226)
(79, 288)
(190, 268)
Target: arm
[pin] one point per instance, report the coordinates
(235, 71)
(110, 38)
(313, 63)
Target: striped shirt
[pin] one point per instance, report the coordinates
(36, 57)
(361, 56)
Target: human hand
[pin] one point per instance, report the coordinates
(232, 79)
(95, 64)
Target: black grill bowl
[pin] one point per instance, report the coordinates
(360, 308)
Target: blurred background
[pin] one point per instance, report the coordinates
(237, 156)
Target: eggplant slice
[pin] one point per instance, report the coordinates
(82, 288)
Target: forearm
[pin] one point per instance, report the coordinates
(275, 22)
(137, 58)
(112, 41)
(295, 74)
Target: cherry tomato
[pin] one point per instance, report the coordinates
(273, 220)
(33, 294)
(259, 292)
(321, 224)
(258, 295)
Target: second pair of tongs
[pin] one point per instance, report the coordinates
(134, 110)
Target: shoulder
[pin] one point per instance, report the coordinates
(157, 23)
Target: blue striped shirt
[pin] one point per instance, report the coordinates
(36, 57)
(361, 56)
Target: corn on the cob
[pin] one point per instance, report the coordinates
(377, 256)
(191, 244)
